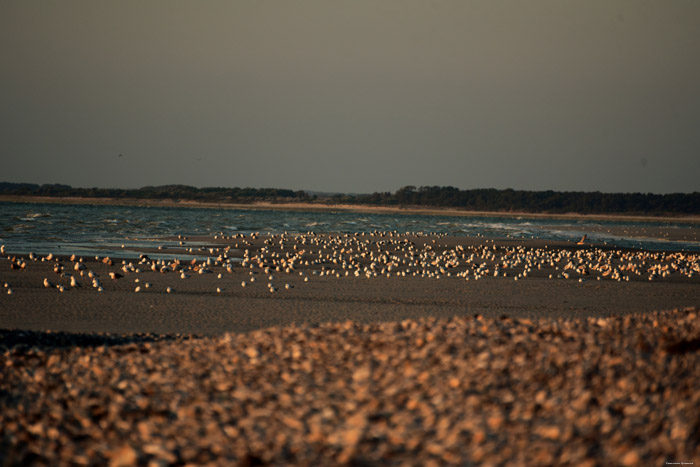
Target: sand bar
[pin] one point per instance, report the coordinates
(432, 211)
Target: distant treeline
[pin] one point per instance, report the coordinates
(175, 192)
(554, 202)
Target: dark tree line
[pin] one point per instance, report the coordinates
(555, 202)
(177, 192)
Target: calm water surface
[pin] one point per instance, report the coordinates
(98, 229)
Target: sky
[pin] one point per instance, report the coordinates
(352, 96)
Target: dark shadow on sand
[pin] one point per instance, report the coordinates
(20, 340)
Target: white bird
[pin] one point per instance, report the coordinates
(47, 284)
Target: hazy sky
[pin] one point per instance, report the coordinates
(352, 96)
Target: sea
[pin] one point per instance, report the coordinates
(124, 231)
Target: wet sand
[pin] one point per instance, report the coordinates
(670, 233)
(196, 307)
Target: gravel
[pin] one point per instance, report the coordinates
(468, 391)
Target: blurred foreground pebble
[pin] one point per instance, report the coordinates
(469, 391)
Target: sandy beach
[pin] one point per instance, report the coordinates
(352, 349)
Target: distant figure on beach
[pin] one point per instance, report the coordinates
(583, 239)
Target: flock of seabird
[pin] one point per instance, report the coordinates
(377, 254)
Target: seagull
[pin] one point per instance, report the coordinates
(583, 239)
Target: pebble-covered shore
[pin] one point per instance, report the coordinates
(466, 391)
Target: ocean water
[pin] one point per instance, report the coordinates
(98, 229)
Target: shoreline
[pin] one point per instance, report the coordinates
(412, 210)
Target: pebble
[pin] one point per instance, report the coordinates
(459, 391)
